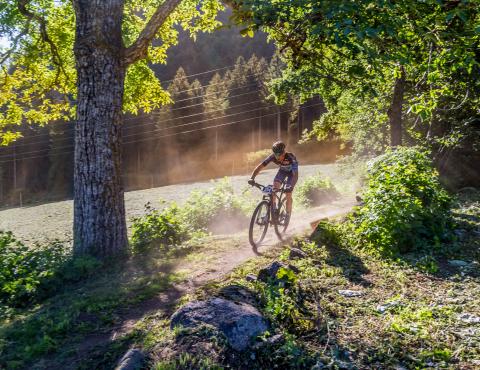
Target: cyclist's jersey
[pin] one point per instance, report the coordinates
(289, 163)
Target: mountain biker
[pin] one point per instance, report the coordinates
(288, 171)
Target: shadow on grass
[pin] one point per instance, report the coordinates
(61, 332)
(458, 256)
(351, 265)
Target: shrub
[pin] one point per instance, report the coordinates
(405, 208)
(207, 210)
(30, 274)
(23, 270)
(186, 361)
(328, 234)
(213, 210)
(315, 190)
(156, 228)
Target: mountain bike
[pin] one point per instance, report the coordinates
(269, 213)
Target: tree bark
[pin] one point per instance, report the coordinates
(99, 212)
(395, 111)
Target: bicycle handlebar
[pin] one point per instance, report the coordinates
(257, 185)
(261, 187)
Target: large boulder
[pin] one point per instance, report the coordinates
(239, 322)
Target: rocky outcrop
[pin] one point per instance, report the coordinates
(239, 322)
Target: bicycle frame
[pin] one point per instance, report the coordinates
(277, 193)
(272, 198)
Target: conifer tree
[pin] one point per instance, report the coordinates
(215, 105)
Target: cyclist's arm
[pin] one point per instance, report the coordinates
(257, 169)
(262, 165)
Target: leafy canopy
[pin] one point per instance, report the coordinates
(38, 78)
(354, 50)
(353, 41)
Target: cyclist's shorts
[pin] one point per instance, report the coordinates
(286, 176)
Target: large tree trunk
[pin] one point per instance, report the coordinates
(395, 111)
(99, 213)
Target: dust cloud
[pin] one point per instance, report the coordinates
(173, 163)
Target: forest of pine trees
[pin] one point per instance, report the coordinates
(214, 121)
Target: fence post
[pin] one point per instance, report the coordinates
(14, 167)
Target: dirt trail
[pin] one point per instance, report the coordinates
(216, 264)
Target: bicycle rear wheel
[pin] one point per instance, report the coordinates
(281, 223)
(259, 223)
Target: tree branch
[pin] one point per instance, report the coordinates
(22, 8)
(139, 48)
(11, 50)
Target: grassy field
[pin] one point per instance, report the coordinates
(54, 220)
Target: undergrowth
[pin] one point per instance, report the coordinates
(218, 210)
(165, 229)
(31, 274)
(315, 190)
(213, 210)
(411, 311)
(405, 208)
(404, 317)
(204, 209)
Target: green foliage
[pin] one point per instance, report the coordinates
(427, 264)
(24, 271)
(287, 275)
(35, 71)
(405, 207)
(282, 305)
(419, 320)
(203, 211)
(363, 123)
(160, 229)
(326, 233)
(315, 190)
(28, 275)
(351, 53)
(291, 354)
(206, 208)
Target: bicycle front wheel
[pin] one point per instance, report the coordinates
(259, 223)
(282, 221)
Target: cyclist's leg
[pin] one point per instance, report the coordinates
(277, 182)
(288, 194)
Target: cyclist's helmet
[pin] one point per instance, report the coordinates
(278, 147)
